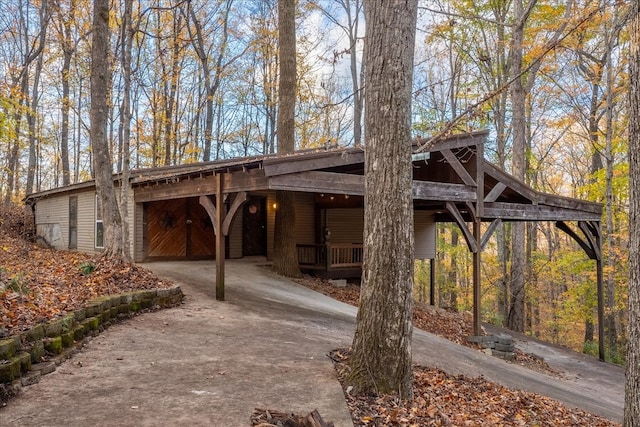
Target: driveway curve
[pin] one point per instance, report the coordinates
(210, 363)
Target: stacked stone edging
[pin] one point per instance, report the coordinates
(22, 356)
(501, 345)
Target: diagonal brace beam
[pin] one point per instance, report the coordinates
(468, 235)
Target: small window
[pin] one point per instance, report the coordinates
(73, 222)
(99, 225)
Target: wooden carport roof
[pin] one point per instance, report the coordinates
(451, 178)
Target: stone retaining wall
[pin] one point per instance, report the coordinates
(24, 358)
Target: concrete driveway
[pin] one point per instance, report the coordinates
(211, 363)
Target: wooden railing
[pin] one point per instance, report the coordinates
(341, 255)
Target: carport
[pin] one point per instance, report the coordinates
(451, 179)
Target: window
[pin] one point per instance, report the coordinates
(73, 222)
(99, 225)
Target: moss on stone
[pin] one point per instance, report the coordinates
(67, 339)
(91, 324)
(53, 345)
(92, 309)
(78, 333)
(67, 323)
(53, 328)
(10, 371)
(7, 348)
(34, 334)
(80, 314)
(36, 351)
(25, 361)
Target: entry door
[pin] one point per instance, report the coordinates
(254, 227)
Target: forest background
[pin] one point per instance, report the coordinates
(202, 85)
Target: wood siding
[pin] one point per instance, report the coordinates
(305, 218)
(235, 236)
(345, 225)
(179, 228)
(424, 229)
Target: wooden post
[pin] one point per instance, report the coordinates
(432, 281)
(476, 278)
(220, 249)
(600, 309)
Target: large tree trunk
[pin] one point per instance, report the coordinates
(98, 131)
(516, 316)
(381, 360)
(632, 388)
(285, 258)
(125, 123)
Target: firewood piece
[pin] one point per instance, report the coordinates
(315, 420)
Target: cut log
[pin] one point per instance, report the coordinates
(268, 418)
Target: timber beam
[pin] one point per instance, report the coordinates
(250, 180)
(221, 220)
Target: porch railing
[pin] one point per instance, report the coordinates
(340, 255)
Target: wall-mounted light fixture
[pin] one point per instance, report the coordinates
(275, 205)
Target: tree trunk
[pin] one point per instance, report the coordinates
(632, 387)
(125, 123)
(98, 131)
(285, 257)
(68, 50)
(381, 359)
(516, 316)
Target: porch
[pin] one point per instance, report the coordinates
(331, 260)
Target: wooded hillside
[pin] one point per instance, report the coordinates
(193, 81)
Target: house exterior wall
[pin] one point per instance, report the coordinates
(346, 225)
(52, 221)
(235, 236)
(139, 226)
(87, 222)
(424, 229)
(305, 219)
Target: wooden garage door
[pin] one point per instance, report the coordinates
(201, 240)
(179, 228)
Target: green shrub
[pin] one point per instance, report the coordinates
(86, 268)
